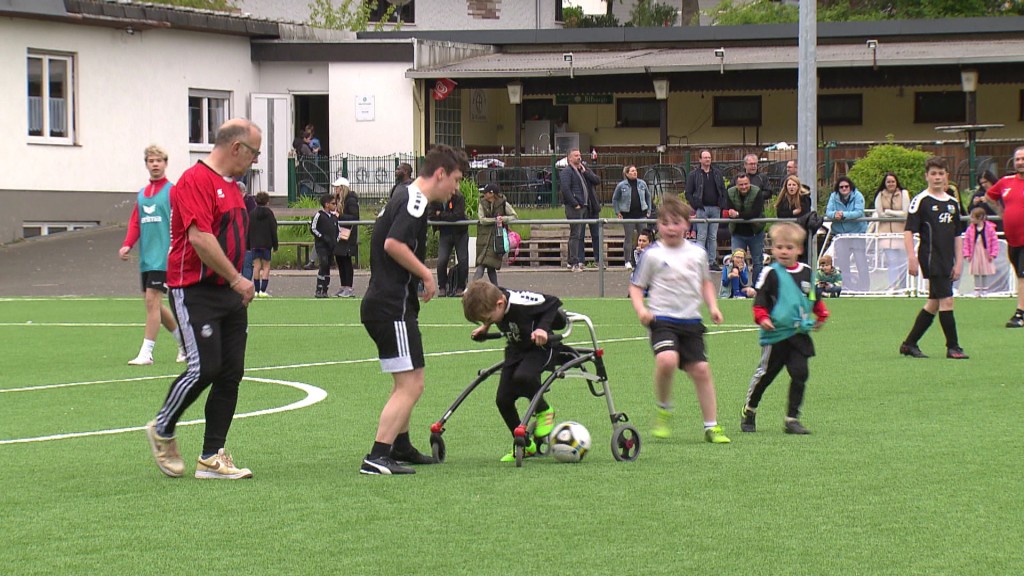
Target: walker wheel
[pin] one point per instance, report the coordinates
(625, 443)
(520, 451)
(437, 447)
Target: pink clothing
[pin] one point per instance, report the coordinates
(991, 241)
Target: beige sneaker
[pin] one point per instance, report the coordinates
(165, 452)
(141, 360)
(220, 466)
(182, 356)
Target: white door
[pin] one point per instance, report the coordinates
(272, 113)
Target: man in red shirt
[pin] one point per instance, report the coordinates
(1007, 197)
(209, 296)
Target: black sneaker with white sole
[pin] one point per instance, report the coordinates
(1015, 322)
(384, 465)
(411, 456)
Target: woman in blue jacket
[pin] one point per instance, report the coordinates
(845, 209)
(631, 200)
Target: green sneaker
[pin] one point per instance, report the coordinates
(715, 435)
(662, 422)
(531, 451)
(545, 423)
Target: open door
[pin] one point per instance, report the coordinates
(272, 113)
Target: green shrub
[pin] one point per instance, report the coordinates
(906, 163)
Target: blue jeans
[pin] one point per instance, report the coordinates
(855, 248)
(247, 265)
(754, 247)
(707, 232)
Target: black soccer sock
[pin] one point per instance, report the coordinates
(948, 323)
(402, 442)
(263, 284)
(380, 449)
(1019, 313)
(921, 324)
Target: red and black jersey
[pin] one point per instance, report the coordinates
(213, 204)
(1010, 191)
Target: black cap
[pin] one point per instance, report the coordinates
(492, 187)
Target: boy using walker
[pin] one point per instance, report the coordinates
(676, 275)
(527, 320)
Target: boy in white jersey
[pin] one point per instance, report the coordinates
(675, 274)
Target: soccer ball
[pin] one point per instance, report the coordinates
(570, 442)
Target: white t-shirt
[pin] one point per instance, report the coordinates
(674, 279)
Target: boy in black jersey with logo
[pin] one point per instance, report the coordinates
(935, 216)
(526, 319)
(324, 227)
(390, 308)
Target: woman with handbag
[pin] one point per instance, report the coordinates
(348, 236)
(494, 213)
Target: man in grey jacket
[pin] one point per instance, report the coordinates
(706, 193)
(576, 184)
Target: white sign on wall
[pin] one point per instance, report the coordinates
(364, 109)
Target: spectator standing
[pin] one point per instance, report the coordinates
(747, 203)
(347, 205)
(403, 177)
(250, 205)
(150, 227)
(706, 193)
(981, 246)
(756, 178)
(451, 239)
(631, 200)
(1007, 197)
(390, 309)
(262, 240)
(891, 201)
(324, 227)
(846, 208)
(209, 296)
(576, 183)
(985, 181)
(494, 213)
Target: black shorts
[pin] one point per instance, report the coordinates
(940, 287)
(1016, 256)
(686, 338)
(155, 280)
(261, 254)
(399, 344)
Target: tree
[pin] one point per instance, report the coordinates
(730, 13)
(323, 14)
(653, 14)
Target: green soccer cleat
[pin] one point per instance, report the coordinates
(662, 424)
(545, 423)
(715, 435)
(531, 451)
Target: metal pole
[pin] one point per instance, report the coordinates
(807, 106)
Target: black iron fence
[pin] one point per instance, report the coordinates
(371, 176)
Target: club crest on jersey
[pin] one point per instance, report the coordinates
(417, 204)
(220, 193)
(149, 209)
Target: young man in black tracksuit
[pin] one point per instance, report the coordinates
(451, 238)
(324, 227)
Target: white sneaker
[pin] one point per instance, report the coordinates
(141, 360)
(182, 356)
(629, 265)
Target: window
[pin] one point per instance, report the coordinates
(737, 111)
(545, 109)
(207, 110)
(1021, 106)
(841, 110)
(637, 113)
(448, 119)
(940, 107)
(51, 103)
(33, 229)
(378, 8)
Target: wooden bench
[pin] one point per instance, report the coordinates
(549, 246)
(302, 250)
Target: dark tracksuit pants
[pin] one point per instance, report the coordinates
(520, 378)
(789, 354)
(325, 254)
(214, 326)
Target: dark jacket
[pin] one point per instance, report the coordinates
(349, 212)
(573, 192)
(262, 228)
(453, 210)
(695, 188)
(324, 227)
(761, 181)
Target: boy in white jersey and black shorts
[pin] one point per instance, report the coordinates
(935, 216)
(390, 308)
(676, 276)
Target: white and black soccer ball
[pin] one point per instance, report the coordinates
(570, 442)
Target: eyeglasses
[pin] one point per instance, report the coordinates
(841, 186)
(255, 151)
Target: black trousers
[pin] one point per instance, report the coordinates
(214, 326)
(520, 378)
(773, 358)
(446, 243)
(346, 274)
(323, 274)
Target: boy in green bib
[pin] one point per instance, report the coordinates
(782, 308)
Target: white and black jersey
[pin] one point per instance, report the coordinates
(392, 292)
(526, 312)
(937, 220)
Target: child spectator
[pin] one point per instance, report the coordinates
(736, 281)
(935, 216)
(494, 212)
(324, 227)
(677, 276)
(263, 240)
(830, 278)
(981, 246)
(782, 309)
(527, 320)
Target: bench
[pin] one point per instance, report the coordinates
(549, 246)
(302, 250)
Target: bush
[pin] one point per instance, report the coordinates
(906, 163)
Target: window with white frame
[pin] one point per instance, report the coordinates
(51, 102)
(33, 229)
(448, 119)
(207, 110)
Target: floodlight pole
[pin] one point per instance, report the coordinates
(807, 109)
